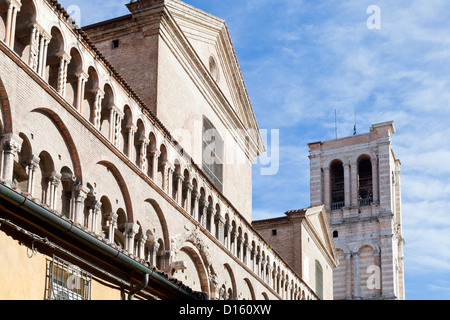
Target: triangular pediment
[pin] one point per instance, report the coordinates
(210, 40)
(318, 221)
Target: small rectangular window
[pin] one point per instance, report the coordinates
(115, 44)
(274, 232)
(68, 281)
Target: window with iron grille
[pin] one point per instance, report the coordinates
(68, 281)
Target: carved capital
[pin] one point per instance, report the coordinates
(12, 143)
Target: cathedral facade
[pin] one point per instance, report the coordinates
(126, 162)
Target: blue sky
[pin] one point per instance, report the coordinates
(304, 59)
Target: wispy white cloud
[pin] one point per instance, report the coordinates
(304, 59)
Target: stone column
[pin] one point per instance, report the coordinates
(55, 180)
(112, 223)
(115, 123)
(143, 154)
(33, 164)
(264, 265)
(348, 275)
(247, 252)
(257, 261)
(216, 231)
(356, 278)
(71, 183)
(38, 49)
(11, 17)
(43, 54)
(170, 180)
(240, 249)
(80, 193)
(165, 177)
(212, 221)
(221, 226)
(64, 60)
(38, 56)
(81, 84)
(354, 184)
(153, 251)
(112, 123)
(202, 212)
(277, 277)
(35, 47)
(268, 274)
(189, 187)
(180, 178)
(12, 145)
(228, 235)
(375, 189)
(165, 260)
(326, 188)
(253, 258)
(8, 27)
(96, 207)
(155, 155)
(131, 229)
(99, 95)
(130, 143)
(347, 184)
(234, 241)
(141, 244)
(196, 197)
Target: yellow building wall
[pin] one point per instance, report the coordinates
(24, 276)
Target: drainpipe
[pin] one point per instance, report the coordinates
(20, 201)
(139, 287)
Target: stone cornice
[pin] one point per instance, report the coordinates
(177, 42)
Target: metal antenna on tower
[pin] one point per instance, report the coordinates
(354, 128)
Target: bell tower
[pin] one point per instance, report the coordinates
(357, 178)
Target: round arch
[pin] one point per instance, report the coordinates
(76, 162)
(6, 122)
(163, 222)
(233, 279)
(199, 264)
(375, 247)
(250, 288)
(123, 187)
